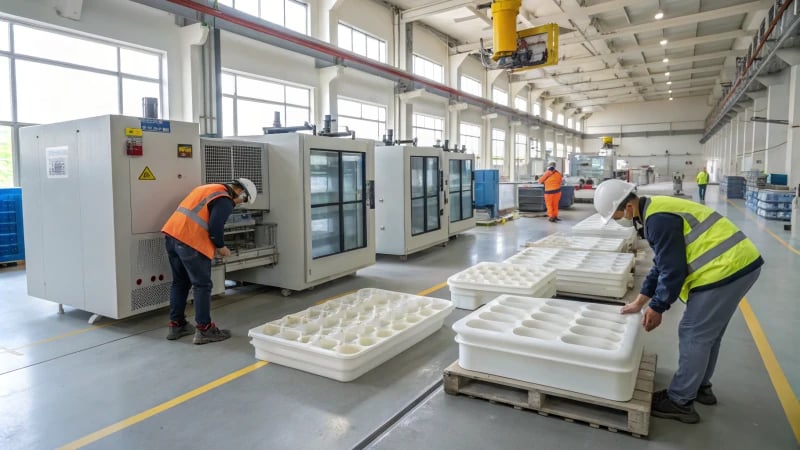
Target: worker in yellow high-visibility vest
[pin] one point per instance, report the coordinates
(702, 183)
(702, 258)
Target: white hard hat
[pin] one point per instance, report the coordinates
(249, 188)
(551, 163)
(609, 195)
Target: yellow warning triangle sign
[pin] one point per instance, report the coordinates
(147, 175)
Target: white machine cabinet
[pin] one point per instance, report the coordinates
(96, 193)
(409, 199)
(320, 199)
(459, 192)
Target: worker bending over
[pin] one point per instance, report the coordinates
(702, 258)
(194, 235)
(552, 190)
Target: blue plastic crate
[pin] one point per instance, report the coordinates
(12, 241)
(769, 206)
(775, 196)
(775, 215)
(487, 189)
(778, 179)
(567, 196)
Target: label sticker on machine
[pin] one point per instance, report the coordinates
(147, 175)
(57, 162)
(184, 150)
(156, 125)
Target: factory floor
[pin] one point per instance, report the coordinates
(121, 385)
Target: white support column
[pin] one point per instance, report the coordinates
(453, 116)
(758, 131)
(328, 90)
(793, 132)
(777, 109)
(486, 137)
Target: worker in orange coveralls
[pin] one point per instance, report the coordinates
(551, 180)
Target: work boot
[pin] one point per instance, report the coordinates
(178, 330)
(706, 396)
(557, 219)
(210, 333)
(552, 219)
(665, 408)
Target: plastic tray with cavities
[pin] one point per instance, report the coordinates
(498, 274)
(580, 242)
(588, 325)
(352, 324)
(575, 260)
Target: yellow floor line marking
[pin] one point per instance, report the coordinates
(125, 423)
(68, 334)
(789, 401)
(122, 424)
(432, 289)
(760, 225)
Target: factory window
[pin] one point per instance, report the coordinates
(500, 96)
(286, 13)
(368, 121)
(59, 76)
(549, 115)
(498, 150)
(560, 150)
(578, 125)
(471, 86)
(520, 149)
(537, 109)
(560, 119)
(521, 104)
(470, 136)
(570, 123)
(577, 149)
(427, 129)
(249, 104)
(536, 149)
(428, 69)
(361, 43)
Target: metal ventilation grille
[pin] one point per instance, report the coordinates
(224, 163)
(151, 258)
(150, 296)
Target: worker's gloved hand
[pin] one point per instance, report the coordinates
(223, 252)
(651, 319)
(636, 305)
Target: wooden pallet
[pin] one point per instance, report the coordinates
(632, 416)
(5, 264)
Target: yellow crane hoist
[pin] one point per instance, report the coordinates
(518, 50)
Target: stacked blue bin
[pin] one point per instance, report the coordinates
(732, 186)
(487, 190)
(12, 242)
(567, 196)
(775, 205)
(751, 198)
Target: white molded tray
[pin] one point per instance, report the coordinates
(594, 226)
(578, 242)
(484, 281)
(351, 335)
(581, 347)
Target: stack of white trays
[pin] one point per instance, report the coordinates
(588, 273)
(349, 336)
(581, 347)
(594, 226)
(578, 242)
(484, 281)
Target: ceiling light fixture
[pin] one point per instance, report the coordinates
(663, 42)
(659, 15)
(670, 99)
(666, 74)
(670, 91)
(669, 82)
(665, 60)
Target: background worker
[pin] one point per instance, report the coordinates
(702, 258)
(551, 180)
(194, 235)
(702, 183)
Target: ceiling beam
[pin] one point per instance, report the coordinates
(688, 19)
(659, 76)
(663, 86)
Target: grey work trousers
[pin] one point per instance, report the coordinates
(700, 333)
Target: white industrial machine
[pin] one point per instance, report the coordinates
(96, 193)
(323, 207)
(409, 192)
(459, 192)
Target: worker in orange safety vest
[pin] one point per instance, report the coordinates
(552, 180)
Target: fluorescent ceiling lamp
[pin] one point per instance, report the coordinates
(670, 99)
(663, 42)
(669, 82)
(665, 60)
(670, 91)
(659, 15)
(666, 74)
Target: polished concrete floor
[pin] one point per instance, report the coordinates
(121, 385)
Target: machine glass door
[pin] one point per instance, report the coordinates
(432, 193)
(466, 189)
(425, 194)
(454, 189)
(417, 195)
(338, 203)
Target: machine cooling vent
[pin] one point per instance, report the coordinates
(150, 296)
(224, 163)
(151, 257)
